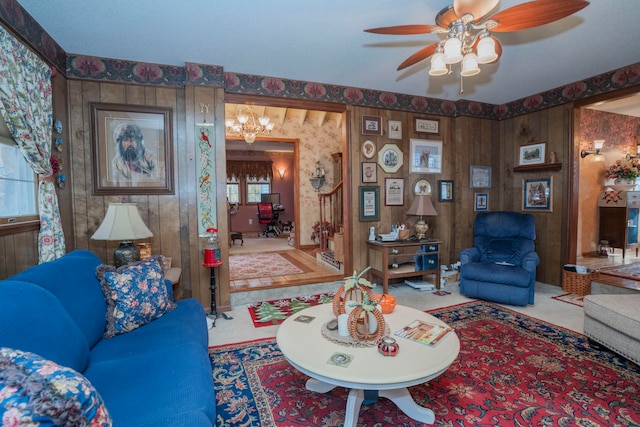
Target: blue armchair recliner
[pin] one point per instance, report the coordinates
(501, 265)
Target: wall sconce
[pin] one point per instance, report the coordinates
(597, 144)
(281, 172)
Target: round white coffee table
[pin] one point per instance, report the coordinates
(304, 346)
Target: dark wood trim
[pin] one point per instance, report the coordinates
(235, 98)
(573, 185)
(537, 168)
(22, 227)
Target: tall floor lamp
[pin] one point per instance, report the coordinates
(122, 222)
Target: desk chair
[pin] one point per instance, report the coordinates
(268, 217)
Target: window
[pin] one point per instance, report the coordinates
(233, 190)
(256, 187)
(18, 186)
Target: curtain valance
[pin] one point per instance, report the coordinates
(251, 168)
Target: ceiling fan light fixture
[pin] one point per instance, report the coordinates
(452, 50)
(486, 50)
(438, 67)
(469, 65)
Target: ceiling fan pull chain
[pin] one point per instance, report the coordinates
(461, 85)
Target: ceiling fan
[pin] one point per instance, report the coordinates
(469, 31)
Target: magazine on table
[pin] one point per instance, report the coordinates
(424, 332)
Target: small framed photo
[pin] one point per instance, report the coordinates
(395, 129)
(369, 149)
(369, 172)
(394, 191)
(422, 187)
(371, 125)
(425, 156)
(481, 202)
(369, 203)
(480, 177)
(532, 154)
(423, 125)
(445, 190)
(390, 158)
(537, 194)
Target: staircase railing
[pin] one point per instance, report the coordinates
(330, 215)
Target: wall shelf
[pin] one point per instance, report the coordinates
(536, 168)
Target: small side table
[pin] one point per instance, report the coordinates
(174, 274)
(214, 310)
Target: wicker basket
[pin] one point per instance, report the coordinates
(576, 283)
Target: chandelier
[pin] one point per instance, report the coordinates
(247, 126)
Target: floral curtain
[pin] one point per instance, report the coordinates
(25, 105)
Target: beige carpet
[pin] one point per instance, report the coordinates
(260, 244)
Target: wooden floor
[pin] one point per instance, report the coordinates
(315, 271)
(597, 263)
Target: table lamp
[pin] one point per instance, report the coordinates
(122, 222)
(422, 206)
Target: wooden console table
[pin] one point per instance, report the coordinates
(394, 260)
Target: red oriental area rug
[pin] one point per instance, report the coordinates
(629, 271)
(261, 265)
(571, 299)
(513, 370)
(274, 312)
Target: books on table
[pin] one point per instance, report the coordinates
(424, 332)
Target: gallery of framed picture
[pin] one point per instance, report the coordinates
(371, 125)
(480, 177)
(532, 154)
(132, 150)
(481, 202)
(369, 172)
(425, 156)
(394, 191)
(426, 125)
(537, 194)
(445, 190)
(369, 203)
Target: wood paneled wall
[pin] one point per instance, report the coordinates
(173, 218)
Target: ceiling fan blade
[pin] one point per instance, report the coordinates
(477, 8)
(535, 13)
(418, 56)
(446, 16)
(404, 29)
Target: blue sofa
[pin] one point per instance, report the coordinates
(156, 375)
(501, 265)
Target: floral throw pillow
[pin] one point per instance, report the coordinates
(35, 391)
(135, 293)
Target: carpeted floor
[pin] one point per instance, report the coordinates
(512, 370)
(261, 265)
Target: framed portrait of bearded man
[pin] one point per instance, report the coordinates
(132, 150)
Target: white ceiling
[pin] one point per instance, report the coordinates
(324, 41)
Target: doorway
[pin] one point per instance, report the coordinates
(604, 117)
(301, 138)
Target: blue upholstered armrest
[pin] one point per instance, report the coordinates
(469, 255)
(530, 261)
(169, 286)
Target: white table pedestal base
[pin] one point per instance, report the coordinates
(401, 397)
